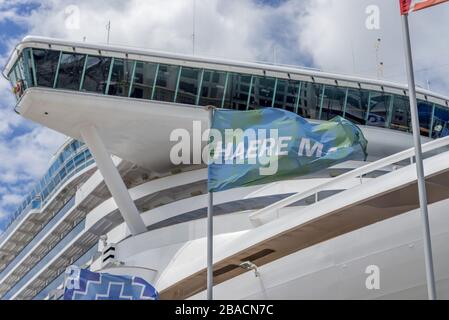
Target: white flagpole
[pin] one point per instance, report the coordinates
(419, 162)
(210, 231)
(210, 274)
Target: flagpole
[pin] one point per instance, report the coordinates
(210, 275)
(210, 231)
(419, 162)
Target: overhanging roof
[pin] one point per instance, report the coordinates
(133, 129)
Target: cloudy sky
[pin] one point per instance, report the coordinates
(332, 35)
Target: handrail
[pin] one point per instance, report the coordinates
(356, 173)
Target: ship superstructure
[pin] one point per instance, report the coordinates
(138, 213)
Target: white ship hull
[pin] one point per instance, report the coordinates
(336, 269)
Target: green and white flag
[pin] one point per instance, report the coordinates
(266, 145)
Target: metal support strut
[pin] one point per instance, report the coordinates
(113, 180)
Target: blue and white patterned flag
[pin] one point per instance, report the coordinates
(82, 284)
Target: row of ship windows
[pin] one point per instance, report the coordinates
(171, 83)
(73, 158)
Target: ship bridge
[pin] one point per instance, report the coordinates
(135, 98)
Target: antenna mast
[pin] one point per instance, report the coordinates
(379, 64)
(275, 58)
(193, 26)
(108, 28)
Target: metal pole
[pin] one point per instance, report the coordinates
(210, 233)
(108, 27)
(419, 162)
(210, 230)
(193, 26)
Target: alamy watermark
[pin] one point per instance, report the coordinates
(372, 21)
(72, 278)
(72, 17)
(372, 282)
(238, 147)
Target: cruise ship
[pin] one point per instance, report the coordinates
(112, 201)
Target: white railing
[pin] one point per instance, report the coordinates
(353, 174)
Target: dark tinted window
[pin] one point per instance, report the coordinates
(188, 85)
(212, 89)
(21, 73)
(237, 91)
(400, 118)
(357, 105)
(143, 80)
(262, 92)
(120, 77)
(166, 83)
(425, 110)
(333, 102)
(17, 75)
(28, 71)
(378, 110)
(46, 63)
(12, 77)
(286, 95)
(441, 123)
(70, 70)
(310, 100)
(96, 76)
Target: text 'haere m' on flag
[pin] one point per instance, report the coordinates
(261, 146)
(409, 6)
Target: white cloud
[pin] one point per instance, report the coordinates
(332, 32)
(29, 153)
(8, 118)
(3, 214)
(231, 28)
(11, 199)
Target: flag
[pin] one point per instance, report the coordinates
(409, 6)
(82, 284)
(256, 147)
